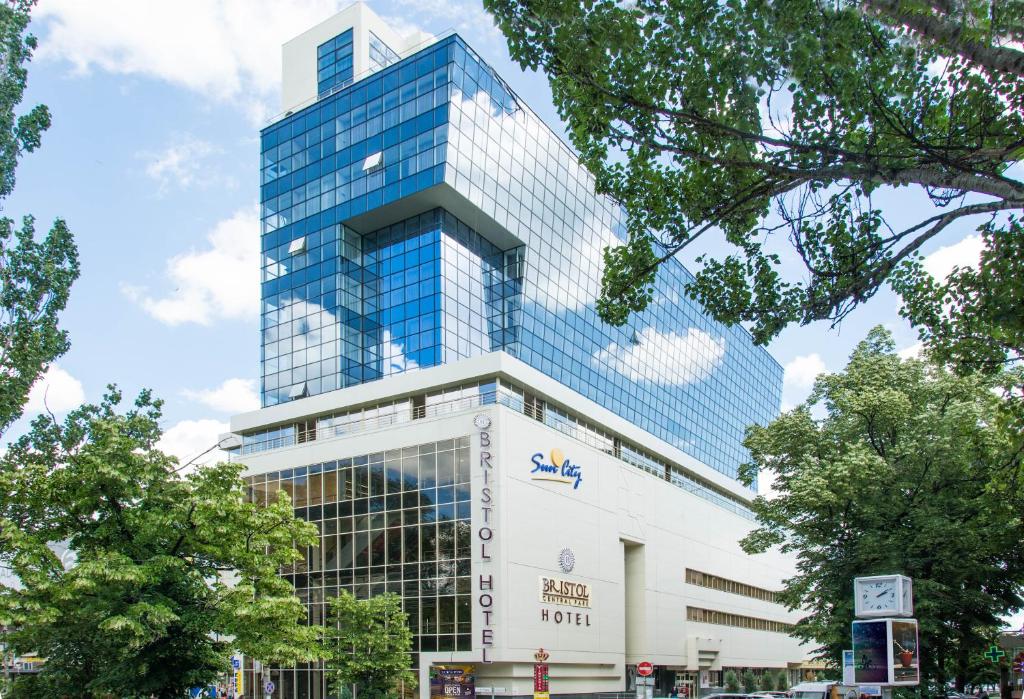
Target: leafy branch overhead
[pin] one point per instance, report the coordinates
(768, 120)
(35, 275)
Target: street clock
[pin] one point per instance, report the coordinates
(883, 596)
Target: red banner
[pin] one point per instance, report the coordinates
(540, 677)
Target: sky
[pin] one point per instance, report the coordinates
(152, 160)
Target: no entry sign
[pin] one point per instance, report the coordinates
(645, 669)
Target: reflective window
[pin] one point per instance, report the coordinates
(393, 521)
(349, 307)
(381, 55)
(334, 62)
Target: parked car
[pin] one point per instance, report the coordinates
(823, 690)
(776, 695)
(727, 696)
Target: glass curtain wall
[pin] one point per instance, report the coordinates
(393, 521)
(443, 116)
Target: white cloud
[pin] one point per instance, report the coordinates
(406, 28)
(395, 360)
(220, 282)
(232, 396)
(676, 358)
(965, 253)
(766, 484)
(798, 378)
(914, 351)
(226, 50)
(466, 16)
(183, 164)
(189, 439)
(56, 391)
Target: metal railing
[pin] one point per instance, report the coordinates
(402, 416)
(458, 405)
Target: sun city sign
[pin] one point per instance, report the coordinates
(560, 470)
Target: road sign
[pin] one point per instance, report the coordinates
(645, 669)
(268, 687)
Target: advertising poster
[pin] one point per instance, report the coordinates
(871, 652)
(447, 681)
(848, 677)
(905, 661)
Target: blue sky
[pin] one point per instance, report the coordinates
(152, 159)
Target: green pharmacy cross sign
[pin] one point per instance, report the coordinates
(995, 654)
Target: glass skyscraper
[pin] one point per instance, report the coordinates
(431, 254)
(423, 214)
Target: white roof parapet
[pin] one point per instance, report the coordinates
(299, 58)
(465, 371)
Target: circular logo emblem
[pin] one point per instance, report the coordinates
(482, 422)
(566, 560)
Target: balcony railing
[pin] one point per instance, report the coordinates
(535, 410)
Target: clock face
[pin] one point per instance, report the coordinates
(878, 595)
(482, 422)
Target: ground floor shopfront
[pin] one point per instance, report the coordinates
(510, 520)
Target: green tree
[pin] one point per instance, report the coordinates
(162, 565)
(909, 469)
(367, 645)
(706, 117)
(781, 681)
(732, 681)
(766, 683)
(35, 275)
(749, 681)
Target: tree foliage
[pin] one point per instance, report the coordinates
(731, 681)
(749, 681)
(708, 116)
(35, 275)
(909, 469)
(163, 567)
(367, 643)
(781, 681)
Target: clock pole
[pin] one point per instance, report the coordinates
(884, 636)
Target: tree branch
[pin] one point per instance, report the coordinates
(938, 30)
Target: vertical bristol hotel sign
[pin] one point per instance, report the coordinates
(485, 536)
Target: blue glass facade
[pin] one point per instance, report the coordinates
(341, 307)
(334, 62)
(381, 55)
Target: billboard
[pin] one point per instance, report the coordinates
(906, 663)
(885, 652)
(449, 681)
